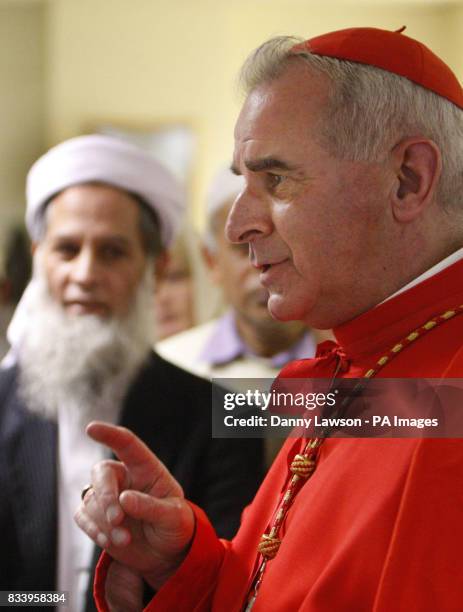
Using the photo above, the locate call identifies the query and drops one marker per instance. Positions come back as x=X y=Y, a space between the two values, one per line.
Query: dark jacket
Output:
x=170 y=410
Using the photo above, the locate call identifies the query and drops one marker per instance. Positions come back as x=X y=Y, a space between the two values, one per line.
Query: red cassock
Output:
x=379 y=525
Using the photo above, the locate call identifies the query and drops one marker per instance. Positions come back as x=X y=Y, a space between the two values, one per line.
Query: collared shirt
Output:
x=225 y=345
x=215 y=350
x=77 y=454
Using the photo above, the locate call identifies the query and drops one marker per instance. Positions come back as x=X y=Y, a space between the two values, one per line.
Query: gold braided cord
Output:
x=304 y=464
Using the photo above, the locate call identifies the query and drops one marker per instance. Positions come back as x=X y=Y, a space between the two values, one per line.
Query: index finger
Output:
x=145 y=469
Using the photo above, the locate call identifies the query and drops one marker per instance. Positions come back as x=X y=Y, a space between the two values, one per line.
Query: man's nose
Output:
x=84 y=270
x=248 y=219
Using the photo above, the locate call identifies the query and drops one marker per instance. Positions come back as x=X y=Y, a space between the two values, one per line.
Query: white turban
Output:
x=106 y=160
x=94 y=158
x=225 y=186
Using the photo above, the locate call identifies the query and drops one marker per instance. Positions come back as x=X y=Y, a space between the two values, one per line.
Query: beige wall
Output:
x=140 y=62
x=151 y=61
x=66 y=65
x=454 y=33
x=22 y=94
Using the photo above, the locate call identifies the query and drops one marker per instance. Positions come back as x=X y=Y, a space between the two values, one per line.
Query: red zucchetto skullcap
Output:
x=391 y=51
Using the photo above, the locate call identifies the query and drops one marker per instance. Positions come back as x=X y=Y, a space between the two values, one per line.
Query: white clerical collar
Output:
x=438 y=267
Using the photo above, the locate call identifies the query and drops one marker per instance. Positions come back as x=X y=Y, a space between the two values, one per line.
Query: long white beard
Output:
x=82 y=363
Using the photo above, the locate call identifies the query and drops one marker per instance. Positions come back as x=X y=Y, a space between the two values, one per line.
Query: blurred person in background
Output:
x=100 y=213
x=245 y=342
x=174 y=291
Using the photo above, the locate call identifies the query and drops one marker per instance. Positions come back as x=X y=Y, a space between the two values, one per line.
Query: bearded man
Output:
x=100 y=213
x=351 y=145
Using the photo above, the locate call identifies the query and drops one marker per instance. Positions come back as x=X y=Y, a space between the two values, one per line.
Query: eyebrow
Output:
x=70 y=235
x=265 y=163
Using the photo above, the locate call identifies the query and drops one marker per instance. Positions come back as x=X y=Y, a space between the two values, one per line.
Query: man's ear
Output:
x=417 y=167
x=34 y=246
x=210 y=261
x=160 y=264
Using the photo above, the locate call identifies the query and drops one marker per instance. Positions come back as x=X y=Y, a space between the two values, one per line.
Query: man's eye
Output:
x=112 y=252
x=274 y=180
x=66 y=250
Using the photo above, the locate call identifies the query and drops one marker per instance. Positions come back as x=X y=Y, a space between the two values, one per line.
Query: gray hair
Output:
x=148 y=225
x=370 y=110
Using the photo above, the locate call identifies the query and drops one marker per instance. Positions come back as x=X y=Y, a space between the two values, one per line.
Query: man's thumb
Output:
x=143 y=507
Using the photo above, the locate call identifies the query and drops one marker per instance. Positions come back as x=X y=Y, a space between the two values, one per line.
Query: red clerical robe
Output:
x=379 y=525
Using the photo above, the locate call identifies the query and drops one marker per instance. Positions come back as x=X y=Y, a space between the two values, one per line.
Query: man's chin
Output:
x=259 y=315
x=282 y=309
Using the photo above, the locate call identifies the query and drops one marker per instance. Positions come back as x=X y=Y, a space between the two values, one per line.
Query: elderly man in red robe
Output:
x=351 y=145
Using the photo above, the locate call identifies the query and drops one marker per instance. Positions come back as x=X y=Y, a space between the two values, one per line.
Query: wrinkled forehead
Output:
x=280 y=110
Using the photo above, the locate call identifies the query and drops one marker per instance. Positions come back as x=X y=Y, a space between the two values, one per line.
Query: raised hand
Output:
x=135 y=509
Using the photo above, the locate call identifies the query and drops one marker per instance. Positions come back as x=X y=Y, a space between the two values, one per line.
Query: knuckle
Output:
x=92 y=530
x=177 y=503
x=103 y=466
